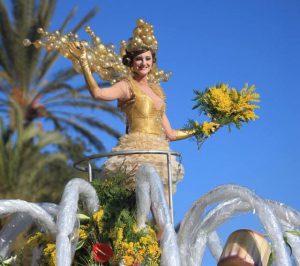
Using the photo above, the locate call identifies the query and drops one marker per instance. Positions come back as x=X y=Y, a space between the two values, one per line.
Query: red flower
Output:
x=102 y=252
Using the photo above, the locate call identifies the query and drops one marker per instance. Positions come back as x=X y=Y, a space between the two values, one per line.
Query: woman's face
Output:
x=142 y=64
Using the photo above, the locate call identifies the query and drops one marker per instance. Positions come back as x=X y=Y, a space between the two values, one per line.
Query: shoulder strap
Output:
x=133 y=86
x=130 y=84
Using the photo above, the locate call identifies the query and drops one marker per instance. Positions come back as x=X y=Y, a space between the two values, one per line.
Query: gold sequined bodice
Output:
x=142 y=114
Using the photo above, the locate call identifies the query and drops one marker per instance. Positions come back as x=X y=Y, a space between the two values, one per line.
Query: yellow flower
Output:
x=219 y=98
x=128 y=260
x=35 y=239
x=83 y=234
x=128 y=248
x=144 y=250
x=151 y=232
x=209 y=127
x=97 y=216
x=249 y=115
x=38 y=239
x=50 y=253
x=224 y=105
x=154 y=250
x=120 y=233
x=135 y=228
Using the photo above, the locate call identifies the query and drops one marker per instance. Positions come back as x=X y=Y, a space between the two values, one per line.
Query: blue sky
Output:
x=204 y=42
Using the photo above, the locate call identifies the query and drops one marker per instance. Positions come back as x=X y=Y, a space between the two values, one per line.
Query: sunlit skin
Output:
x=142 y=65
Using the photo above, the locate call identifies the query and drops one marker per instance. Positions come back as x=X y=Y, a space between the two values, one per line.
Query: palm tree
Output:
x=22 y=156
x=23 y=72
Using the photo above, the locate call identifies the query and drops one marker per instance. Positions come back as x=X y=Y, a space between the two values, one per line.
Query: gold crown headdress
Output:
x=103 y=59
x=143 y=38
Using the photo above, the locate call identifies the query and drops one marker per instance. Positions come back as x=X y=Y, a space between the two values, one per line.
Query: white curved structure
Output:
x=150 y=194
x=193 y=233
x=19 y=222
x=197 y=231
x=66 y=239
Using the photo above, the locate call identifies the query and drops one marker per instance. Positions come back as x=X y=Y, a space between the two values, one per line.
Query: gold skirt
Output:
x=143 y=141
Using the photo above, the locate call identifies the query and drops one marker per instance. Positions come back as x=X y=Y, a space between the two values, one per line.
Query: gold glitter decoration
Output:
x=103 y=59
x=143 y=37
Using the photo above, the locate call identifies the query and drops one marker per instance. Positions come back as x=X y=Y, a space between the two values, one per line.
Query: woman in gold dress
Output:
x=144 y=105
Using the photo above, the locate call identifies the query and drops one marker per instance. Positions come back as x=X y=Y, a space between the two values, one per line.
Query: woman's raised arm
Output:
x=119 y=91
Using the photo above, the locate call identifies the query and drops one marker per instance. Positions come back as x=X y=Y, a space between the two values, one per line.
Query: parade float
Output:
x=104 y=221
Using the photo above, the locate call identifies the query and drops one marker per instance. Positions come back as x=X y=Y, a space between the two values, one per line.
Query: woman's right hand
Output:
x=78 y=51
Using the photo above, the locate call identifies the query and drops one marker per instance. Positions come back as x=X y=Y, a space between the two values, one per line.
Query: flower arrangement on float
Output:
x=110 y=236
x=224 y=106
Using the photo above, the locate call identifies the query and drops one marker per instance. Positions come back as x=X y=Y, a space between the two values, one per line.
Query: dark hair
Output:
x=129 y=56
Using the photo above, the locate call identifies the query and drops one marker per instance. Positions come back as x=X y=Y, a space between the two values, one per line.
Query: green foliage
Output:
x=24 y=70
x=21 y=155
x=115 y=225
x=199 y=135
x=118 y=207
x=34 y=164
x=118 y=202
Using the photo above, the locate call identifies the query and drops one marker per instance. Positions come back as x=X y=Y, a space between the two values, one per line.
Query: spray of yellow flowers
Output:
x=224 y=106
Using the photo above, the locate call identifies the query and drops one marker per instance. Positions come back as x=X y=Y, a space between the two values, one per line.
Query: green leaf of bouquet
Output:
x=80 y=244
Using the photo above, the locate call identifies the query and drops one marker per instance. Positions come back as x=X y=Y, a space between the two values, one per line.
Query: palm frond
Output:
x=85 y=19
x=101 y=105
x=24 y=12
x=39 y=163
x=22 y=154
x=92 y=122
x=7 y=39
x=50 y=138
x=59 y=88
x=55 y=120
x=68 y=92
x=4 y=75
x=51 y=57
x=92 y=139
x=4 y=65
x=68 y=18
x=56 y=87
x=100 y=125
x=23 y=145
x=3 y=156
x=28 y=134
x=45 y=65
x=18 y=116
x=45 y=12
x=63 y=75
x=15 y=150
